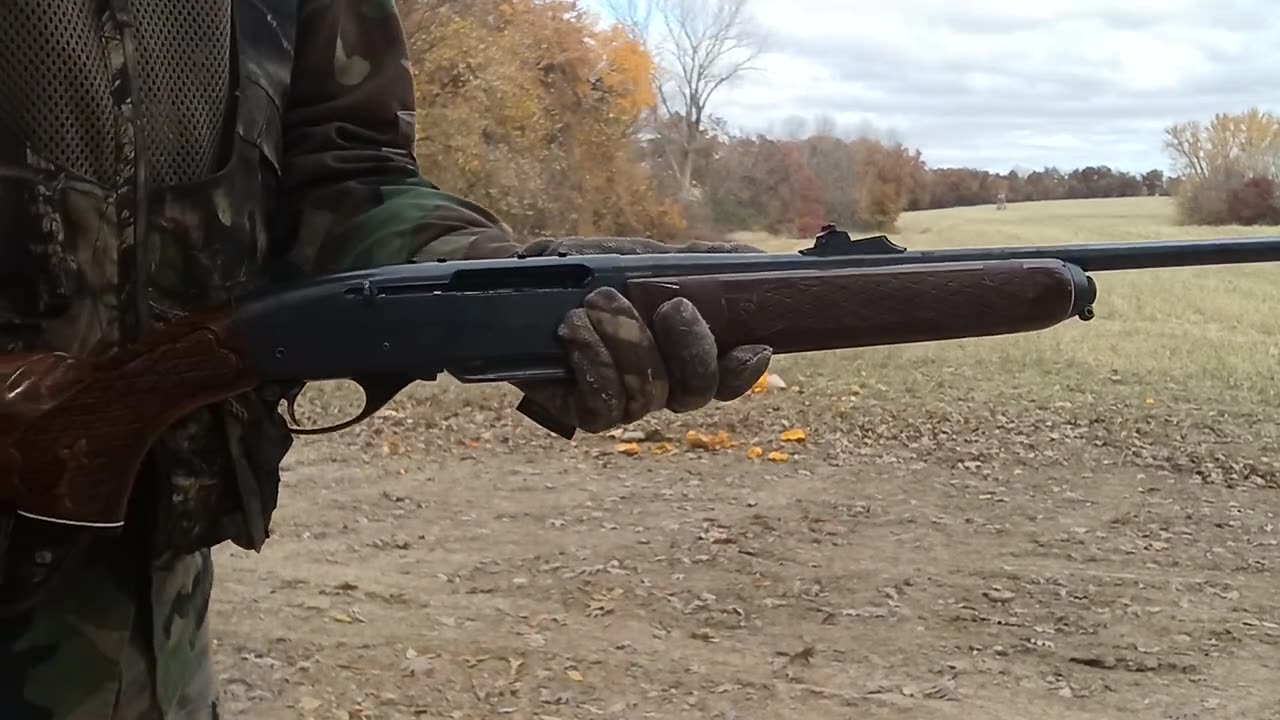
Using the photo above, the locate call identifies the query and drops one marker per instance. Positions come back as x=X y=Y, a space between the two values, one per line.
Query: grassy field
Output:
x=1079 y=523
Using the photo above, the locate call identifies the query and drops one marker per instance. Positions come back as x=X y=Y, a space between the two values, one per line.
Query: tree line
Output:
x=792 y=187
x=568 y=126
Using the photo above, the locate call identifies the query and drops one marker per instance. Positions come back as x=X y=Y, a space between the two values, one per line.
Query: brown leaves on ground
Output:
x=696 y=441
x=699 y=441
x=796 y=435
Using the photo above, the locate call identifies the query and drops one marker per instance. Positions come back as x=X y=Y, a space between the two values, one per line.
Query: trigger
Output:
x=378 y=391
x=291 y=404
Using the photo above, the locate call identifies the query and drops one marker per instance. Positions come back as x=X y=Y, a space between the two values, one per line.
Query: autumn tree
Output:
x=1226 y=166
x=888 y=175
x=527 y=107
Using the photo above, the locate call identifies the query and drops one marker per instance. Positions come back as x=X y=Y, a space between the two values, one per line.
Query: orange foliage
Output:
x=628 y=72
x=699 y=441
x=528 y=108
x=887 y=176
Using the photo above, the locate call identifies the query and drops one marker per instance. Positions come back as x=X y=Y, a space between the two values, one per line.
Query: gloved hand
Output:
x=625 y=366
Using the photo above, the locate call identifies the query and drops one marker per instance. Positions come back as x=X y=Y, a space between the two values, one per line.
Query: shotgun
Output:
x=74 y=431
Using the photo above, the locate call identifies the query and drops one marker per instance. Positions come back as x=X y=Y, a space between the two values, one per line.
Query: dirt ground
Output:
x=948 y=560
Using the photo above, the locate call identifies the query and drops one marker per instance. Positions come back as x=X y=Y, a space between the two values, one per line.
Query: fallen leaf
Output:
x=999 y=596
x=419 y=666
x=1102 y=663
x=871 y=612
x=698 y=441
x=755 y=453
x=599 y=609
x=663 y=449
x=761 y=385
x=553 y=698
x=627 y=448
x=804 y=656
x=778 y=457
x=1143 y=664
x=574 y=675
x=309 y=704
x=941 y=691
x=705 y=635
x=796 y=436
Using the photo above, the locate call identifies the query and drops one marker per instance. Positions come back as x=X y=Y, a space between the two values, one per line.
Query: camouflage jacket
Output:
x=313 y=171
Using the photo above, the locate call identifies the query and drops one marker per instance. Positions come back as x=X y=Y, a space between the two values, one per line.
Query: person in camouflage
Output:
x=157 y=157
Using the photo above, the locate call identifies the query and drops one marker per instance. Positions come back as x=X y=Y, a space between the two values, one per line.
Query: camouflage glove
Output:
x=625 y=366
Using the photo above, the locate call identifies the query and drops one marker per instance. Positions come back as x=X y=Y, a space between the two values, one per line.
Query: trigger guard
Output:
x=332 y=428
x=378 y=391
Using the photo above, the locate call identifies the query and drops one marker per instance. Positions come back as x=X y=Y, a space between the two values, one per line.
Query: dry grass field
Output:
x=1079 y=523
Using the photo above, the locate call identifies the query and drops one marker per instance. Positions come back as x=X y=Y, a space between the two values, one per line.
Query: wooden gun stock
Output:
x=74 y=432
x=808 y=310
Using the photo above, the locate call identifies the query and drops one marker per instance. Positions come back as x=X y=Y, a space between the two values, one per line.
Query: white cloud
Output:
x=993 y=83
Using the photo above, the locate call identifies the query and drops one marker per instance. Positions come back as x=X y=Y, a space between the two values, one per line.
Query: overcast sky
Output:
x=997 y=84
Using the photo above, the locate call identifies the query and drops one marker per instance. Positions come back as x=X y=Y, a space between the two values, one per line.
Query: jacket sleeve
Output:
x=351 y=193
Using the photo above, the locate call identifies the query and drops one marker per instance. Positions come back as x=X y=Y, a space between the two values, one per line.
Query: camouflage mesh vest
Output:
x=108 y=232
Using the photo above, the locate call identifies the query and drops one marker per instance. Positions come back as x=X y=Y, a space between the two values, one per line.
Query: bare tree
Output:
x=698 y=46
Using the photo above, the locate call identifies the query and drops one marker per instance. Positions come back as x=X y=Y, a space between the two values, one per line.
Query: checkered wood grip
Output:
x=74 y=432
x=811 y=310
